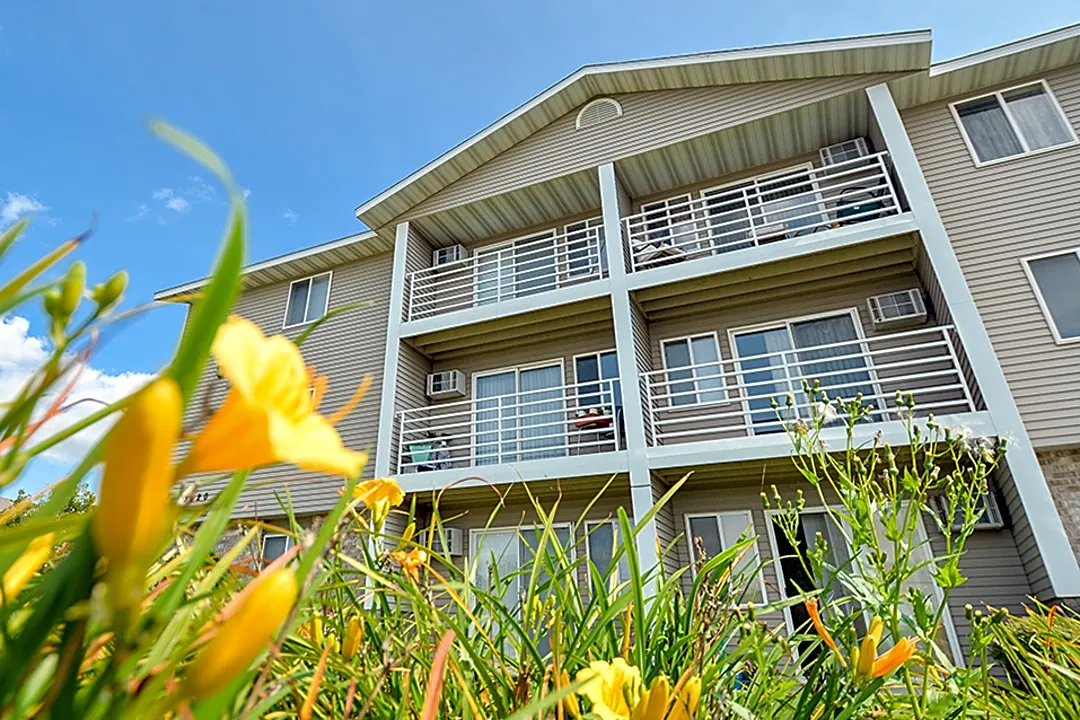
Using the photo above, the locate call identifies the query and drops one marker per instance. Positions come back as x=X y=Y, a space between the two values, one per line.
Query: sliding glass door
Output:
x=520 y=415
x=774 y=361
x=516 y=269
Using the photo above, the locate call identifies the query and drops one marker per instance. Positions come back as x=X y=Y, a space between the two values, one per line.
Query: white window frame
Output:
x=698 y=402
x=307 y=301
x=289 y=542
x=781 y=583
x=999 y=95
x=516 y=369
x=476 y=534
x=860 y=338
x=1025 y=262
x=590 y=525
x=746 y=514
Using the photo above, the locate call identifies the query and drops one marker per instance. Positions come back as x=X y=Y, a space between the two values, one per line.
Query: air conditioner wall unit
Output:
x=842 y=152
x=905 y=307
x=447 y=255
x=455 y=541
x=445 y=384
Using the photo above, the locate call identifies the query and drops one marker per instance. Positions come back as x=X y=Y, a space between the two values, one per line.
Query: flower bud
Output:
x=51 y=300
x=247 y=632
x=111 y=291
x=354 y=635
x=27 y=564
x=71 y=291
x=131 y=518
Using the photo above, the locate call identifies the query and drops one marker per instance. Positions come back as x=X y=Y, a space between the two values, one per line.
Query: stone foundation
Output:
x=1062 y=471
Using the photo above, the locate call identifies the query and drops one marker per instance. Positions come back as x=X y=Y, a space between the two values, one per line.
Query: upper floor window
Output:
x=693 y=370
x=308 y=299
x=274 y=545
x=1013 y=122
x=1055 y=279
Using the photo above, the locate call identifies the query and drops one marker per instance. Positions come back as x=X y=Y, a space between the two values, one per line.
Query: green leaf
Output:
x=333 y=313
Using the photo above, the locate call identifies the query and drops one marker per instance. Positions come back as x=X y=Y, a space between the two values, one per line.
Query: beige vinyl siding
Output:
x=650 y=120
x=667 y=529
x=345 y=348
x=995 y=215
x=735 y=317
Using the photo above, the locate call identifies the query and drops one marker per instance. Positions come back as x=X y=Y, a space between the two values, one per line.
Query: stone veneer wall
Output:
x=1062 y=471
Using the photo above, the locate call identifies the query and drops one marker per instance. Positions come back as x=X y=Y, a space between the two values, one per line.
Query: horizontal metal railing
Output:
x=765 y=210
x=733 y=398
x=564 y=421
x=524 y=267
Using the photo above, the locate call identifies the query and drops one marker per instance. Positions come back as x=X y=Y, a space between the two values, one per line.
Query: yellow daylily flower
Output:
x=687 y=700
x=380 y=495
x=868 y=650
x=613 y=688
x=354 y=635
x=411 y=561
x=653 y=704
x=570 y=703
x=248 y=631
x=131 y=518
x=270 y=414
x=27 y=565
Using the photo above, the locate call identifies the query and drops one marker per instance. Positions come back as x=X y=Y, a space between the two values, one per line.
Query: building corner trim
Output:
x=388 y=395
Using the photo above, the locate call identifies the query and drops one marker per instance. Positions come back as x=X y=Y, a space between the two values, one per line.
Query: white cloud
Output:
x=141 y=211
x=290 y=217
x=22 y=353
x=163 y=193
x=178 y=204
x=247 y=193
x=18 y=205
x=199 y=190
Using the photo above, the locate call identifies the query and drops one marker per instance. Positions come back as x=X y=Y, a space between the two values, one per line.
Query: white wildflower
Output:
x=826 y=412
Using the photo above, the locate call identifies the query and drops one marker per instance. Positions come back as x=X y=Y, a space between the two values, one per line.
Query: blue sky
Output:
x=318 y=106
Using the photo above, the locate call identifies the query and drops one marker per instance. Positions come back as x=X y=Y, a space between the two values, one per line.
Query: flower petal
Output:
x=314 y=444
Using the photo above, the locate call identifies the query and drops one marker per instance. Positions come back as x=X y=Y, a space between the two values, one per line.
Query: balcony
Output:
x=568 y=256
x=724 y=399
x=501 y=425
x=793 y=203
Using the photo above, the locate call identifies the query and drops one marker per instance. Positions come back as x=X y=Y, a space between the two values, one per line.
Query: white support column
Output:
x=629 y=377
x=1046 y=525
x=393 y=350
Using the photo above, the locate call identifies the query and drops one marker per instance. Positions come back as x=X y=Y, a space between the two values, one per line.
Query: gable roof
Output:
x=892 y=52
x=306 y=261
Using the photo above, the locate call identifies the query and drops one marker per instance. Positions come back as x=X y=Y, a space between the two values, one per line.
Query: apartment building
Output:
x=607 y=287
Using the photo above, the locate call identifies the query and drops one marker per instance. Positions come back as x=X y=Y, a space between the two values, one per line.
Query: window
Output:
x=604 y=540
x=597 y=377
x=586 y=255
x=274 y=545
x=1056 y=279
x=713 y=533
x=694 y=375
x=1013 y=122
x=503 y=552
x=774 y=360
x=308 y=299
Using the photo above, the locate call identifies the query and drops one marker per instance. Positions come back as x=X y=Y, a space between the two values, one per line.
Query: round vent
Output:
x=598 y=111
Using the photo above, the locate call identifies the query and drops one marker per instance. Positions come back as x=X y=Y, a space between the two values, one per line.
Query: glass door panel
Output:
x=543 y=433
x=840 y=367
x=496 y=418
x=534 y=265
x=764 y=362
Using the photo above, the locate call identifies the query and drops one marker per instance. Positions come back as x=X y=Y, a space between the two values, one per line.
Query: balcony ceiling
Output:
x=754 y=144
x=890 y=53
x=807 y=276
x=555 y=324
x=529 y=207
x=483 y=498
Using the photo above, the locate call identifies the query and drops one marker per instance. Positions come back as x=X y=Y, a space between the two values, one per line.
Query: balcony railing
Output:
x=790 y=204
x=562 y=421
x=732 y=399
x=524 y=267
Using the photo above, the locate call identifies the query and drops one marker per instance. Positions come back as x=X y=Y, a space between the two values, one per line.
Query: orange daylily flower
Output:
x=411 y=561
x=815 y=618
x=899 y=654
x=269 y=415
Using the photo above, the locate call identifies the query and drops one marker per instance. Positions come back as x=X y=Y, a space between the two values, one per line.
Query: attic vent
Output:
x=598 y=111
